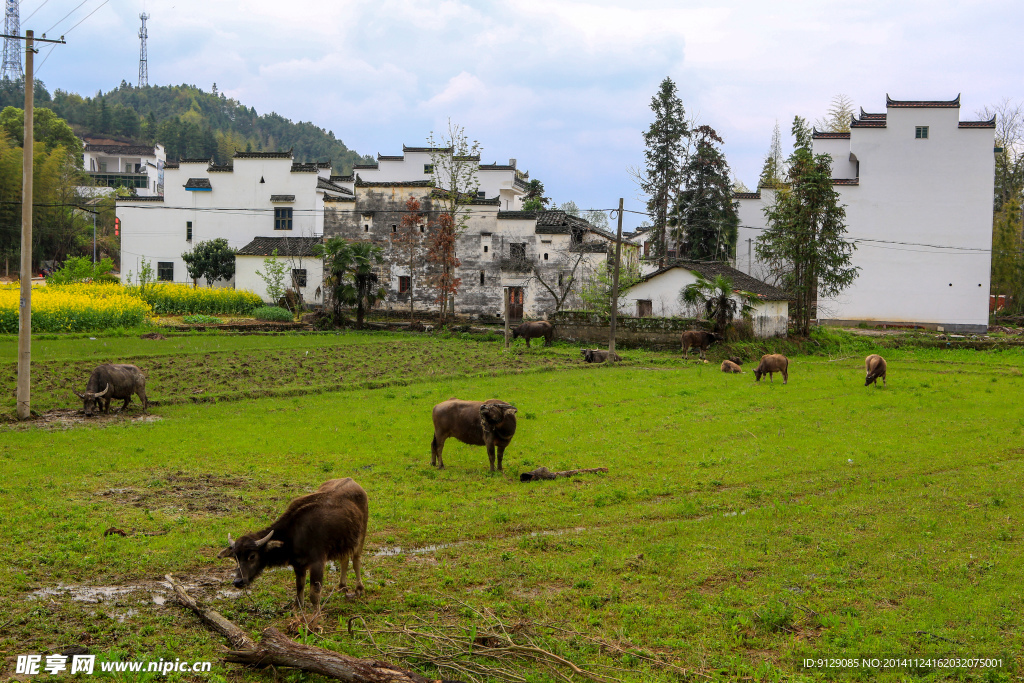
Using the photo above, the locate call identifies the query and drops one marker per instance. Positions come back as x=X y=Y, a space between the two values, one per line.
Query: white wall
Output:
x=246 y=277
x=751 y=226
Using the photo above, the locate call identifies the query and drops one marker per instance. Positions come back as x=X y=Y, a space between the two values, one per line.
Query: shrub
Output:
x=74 y=308
x=81 y=269
x=179 y=299
x=274 y=314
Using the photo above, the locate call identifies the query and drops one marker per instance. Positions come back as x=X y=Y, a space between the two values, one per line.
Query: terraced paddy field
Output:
x=743 y=530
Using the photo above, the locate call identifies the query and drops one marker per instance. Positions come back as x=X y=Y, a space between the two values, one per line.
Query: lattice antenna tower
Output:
x=143 y=66
x=11 y=69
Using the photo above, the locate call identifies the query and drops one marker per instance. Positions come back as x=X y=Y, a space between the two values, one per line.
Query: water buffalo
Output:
x=110 y=381
x=489 y=423
x=699 y=339
x=599 y=356
x=729 y=366
x=770 y=364
x=539 y=328
x=876 y=367
x=327 y=525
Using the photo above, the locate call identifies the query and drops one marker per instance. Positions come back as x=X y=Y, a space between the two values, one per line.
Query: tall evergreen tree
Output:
x=774 y=169
x=837 y=118
x=704 y=221
x=1008 y=256
x=662 y=174
x=806 y=232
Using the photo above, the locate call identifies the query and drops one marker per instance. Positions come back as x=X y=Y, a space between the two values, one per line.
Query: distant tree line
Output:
x=188 y=122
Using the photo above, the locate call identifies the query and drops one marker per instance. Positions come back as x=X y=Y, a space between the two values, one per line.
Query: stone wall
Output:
x=650 y=333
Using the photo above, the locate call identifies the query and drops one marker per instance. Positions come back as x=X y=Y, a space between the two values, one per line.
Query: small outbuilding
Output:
x=303 y=269
x=659 y=294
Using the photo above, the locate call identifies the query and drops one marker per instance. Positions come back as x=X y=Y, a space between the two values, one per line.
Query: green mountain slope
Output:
x=190 y=123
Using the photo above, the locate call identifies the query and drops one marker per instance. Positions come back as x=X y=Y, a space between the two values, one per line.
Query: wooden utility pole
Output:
x=615 y=284
x=24 y=409
x=508 y=306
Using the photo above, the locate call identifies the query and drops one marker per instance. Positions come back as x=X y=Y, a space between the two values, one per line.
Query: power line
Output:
x=65 y=17
x=86 y=17
x=36 y=10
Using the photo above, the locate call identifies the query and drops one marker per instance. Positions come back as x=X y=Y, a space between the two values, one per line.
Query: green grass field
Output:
x=741 y=527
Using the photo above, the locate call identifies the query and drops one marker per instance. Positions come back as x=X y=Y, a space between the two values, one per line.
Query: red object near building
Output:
x=996 y=302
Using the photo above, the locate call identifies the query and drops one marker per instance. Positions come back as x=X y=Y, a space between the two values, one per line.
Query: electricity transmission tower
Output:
x=143 y=66
x=11 y=69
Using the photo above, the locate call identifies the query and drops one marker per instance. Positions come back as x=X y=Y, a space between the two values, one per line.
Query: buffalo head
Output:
x=495 y=413
x=91 y=399
x=250 y=553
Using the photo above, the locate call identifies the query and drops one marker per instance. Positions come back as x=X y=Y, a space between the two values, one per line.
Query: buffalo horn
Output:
x=81 y=396
x=231 y=542
x=260 y=543
x=104 y=392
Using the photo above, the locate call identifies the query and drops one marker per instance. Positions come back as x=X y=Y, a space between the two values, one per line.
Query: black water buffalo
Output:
x=489 y=423
x=875 y=367
x=770 y=364
x=111 y=381
x=699 y=339
x=539 y=328
x=600 y=355
x=327 y=525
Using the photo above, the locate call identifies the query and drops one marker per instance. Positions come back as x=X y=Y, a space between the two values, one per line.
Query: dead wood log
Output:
x=545 y=473
x=276 y=649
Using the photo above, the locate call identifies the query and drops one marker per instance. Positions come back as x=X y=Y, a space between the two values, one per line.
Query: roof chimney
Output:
x=512 y=163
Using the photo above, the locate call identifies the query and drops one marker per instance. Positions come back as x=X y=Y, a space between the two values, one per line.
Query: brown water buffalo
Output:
x=875 y=367
x=770 y=364
x=729 y=366
x=539 y=328
x=599 y=356
x=329 y=524
x=489 y=423
x=109 y=381
x=735 y=360
x=699 y=339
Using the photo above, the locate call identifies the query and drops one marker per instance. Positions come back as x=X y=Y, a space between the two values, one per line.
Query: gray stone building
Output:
x=541 y=257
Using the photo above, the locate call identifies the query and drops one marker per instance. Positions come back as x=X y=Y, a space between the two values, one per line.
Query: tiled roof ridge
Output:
x=132 y=150
x=263 y=155
x=868 y=115
x=740 y=280
x=829 y=134
x=285 y=246
x=359 y=182
x=304 y=168
x=923 y=104
x=440 y=150
x=205 y=160
x=990 y=123
x=203 y=183
x=846 y=181
x=132 y=198
x=220 y=168
x=747 y=195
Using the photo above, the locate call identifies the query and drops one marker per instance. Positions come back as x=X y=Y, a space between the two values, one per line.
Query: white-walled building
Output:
x=304 y=270
x=917 y=183
x=260 y=194
x=112 y=164
x=658 y=294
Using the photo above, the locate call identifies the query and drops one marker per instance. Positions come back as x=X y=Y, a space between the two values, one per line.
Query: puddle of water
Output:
x=91 y=594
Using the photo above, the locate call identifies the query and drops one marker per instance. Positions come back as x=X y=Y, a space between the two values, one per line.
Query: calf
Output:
x=701 y=340
x=876 y=367
x=729 y=366
x=489 y=423
x=599 y=356
x=327 y=525
x=110 y=381
x=770 y=364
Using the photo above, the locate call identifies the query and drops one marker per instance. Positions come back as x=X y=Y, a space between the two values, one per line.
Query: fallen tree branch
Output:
x=276 y=649
x=545 y=473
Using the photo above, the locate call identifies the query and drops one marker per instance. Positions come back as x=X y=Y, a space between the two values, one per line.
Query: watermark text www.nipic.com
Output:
x=33 y=665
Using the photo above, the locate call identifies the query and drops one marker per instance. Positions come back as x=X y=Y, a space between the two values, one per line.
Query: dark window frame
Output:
x=921 y=132
x=283 y=218
x=404 y=283
x=299 y=276
x=165 y=271
x=188 y=231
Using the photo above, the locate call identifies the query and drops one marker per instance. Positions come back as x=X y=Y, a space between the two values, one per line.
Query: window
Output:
x=647 y=248
x=481 y=277
x=428 y=168
x=422 y=228
x=366 y=228
x=165 y=271
x=188 y=231
x=394 y=228
x=644 y=308
x=921 y=132
x=485 y=248
x=545 y=256
x=299 y=277
x=283 y=218
x=517 y=251
x=404 y=283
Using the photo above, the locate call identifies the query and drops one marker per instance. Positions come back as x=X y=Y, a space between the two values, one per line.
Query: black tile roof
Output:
x=304 y=168
x=497 y=167
x=343 y=178
x=198 y=183
x=335 y=198
x=124 y=150
x=324 y=184
x=171 y=164
x=991 y=123
x=829 y=135
x=263 y=155
x=382 y=157
x=439 y=150
x=365 y=167
x=867 y=123
x=846 y=181
x=226 y=168
x=282 y=198
x=206 y=161
x=467 y=157
x=866 y=115
x=285 y=246
x=139 y=199
x=746 y=195
x=518 y=215
x=923 y=104
x=392 y=183
x=740 y=280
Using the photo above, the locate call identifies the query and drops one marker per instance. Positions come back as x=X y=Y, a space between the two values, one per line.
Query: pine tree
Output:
x=774 y=169
x=1008 y=256
x=806 y=232
x=704 y=220
x=662 y=175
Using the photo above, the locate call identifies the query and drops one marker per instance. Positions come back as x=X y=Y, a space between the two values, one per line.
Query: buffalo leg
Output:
x=343 y=567
x=501 y=454
x=785 y=376
x=490 y=454
x=142 y=397
x=316 y=582
x=357 y=567
x=436 y=449
x=300 y=585
x=702 y=350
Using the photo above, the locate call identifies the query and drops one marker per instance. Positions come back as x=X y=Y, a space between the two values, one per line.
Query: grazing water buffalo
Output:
x=770 y=364
x=113 y=381
x=540 y=328
x=327 y=525
x=729 y=366
x=875 y=366
x=699 y=339
x=600 y=356
x=489 y=423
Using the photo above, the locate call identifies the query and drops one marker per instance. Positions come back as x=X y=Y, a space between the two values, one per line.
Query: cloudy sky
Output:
x=563 y=87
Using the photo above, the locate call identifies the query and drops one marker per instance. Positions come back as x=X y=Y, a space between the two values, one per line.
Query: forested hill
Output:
x=191 y=123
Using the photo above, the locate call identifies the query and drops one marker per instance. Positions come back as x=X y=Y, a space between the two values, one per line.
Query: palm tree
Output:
x=349 y=275
x=718 y=299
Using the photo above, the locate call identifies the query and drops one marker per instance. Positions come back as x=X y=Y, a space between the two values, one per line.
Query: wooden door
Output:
x=515 y=304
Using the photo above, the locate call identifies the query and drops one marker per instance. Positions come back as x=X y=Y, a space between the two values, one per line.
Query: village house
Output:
x=917 y=183
x=112 y=164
